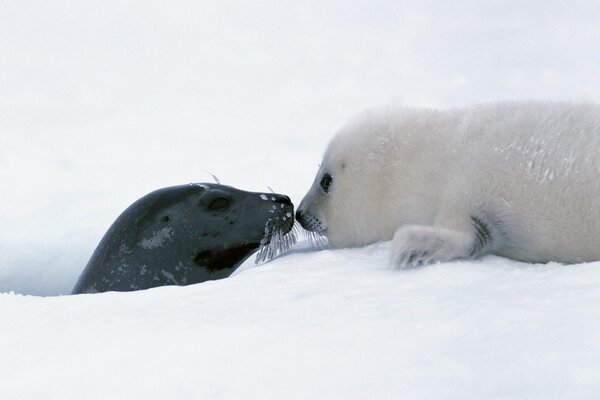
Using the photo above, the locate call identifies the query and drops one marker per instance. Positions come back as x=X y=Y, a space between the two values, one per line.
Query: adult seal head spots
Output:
x=182 y=235
x=518 y=180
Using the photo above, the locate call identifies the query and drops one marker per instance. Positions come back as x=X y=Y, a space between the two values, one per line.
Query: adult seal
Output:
x=520 y=180
x=184 y=234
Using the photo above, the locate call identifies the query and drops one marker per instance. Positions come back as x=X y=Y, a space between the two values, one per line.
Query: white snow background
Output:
x=102 y=102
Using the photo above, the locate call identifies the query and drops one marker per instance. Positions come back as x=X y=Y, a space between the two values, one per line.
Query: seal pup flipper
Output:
x=416 y=245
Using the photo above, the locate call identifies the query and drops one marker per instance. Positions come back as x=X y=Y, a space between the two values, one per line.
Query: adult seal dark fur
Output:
x=182 y=235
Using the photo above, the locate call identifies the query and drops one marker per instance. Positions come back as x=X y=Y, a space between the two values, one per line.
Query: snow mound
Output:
x=329 y=325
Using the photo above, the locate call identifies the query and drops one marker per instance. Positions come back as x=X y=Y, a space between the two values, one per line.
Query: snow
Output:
x=103 y=102
x=333 y=324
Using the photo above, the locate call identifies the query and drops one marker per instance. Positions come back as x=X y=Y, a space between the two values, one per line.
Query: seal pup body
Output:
x=182 y=235
x=520 y=180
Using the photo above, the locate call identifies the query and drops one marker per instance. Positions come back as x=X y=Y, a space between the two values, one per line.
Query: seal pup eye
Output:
x=326 y=182
x=219 y=204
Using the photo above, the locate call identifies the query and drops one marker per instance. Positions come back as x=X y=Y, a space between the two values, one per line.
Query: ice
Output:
x=329 y=324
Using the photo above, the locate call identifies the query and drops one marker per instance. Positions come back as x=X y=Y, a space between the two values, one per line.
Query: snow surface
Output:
x=331 y=325
x=103 y=102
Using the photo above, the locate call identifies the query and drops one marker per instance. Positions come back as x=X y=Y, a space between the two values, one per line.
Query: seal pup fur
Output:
x=520 y=180
x=185 y=234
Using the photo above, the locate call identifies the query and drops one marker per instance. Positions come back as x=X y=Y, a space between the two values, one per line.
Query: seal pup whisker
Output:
x=315 y=240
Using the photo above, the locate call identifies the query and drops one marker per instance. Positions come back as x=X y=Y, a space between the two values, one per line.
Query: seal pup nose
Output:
x=301 y=218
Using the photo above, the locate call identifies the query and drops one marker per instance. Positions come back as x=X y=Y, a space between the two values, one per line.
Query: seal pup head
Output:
x=355 y=197
x=185 y=234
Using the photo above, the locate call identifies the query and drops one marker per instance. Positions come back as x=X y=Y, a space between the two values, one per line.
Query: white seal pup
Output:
x=520 y=180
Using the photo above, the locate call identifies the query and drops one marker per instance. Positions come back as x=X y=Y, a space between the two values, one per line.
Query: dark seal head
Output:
x=182 y=235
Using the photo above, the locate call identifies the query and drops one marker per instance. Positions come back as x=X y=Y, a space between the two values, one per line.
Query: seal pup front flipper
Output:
x=417 y=245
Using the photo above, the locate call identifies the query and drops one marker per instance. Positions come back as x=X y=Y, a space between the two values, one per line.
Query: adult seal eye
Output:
x=326 y=182
x=219 y=204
